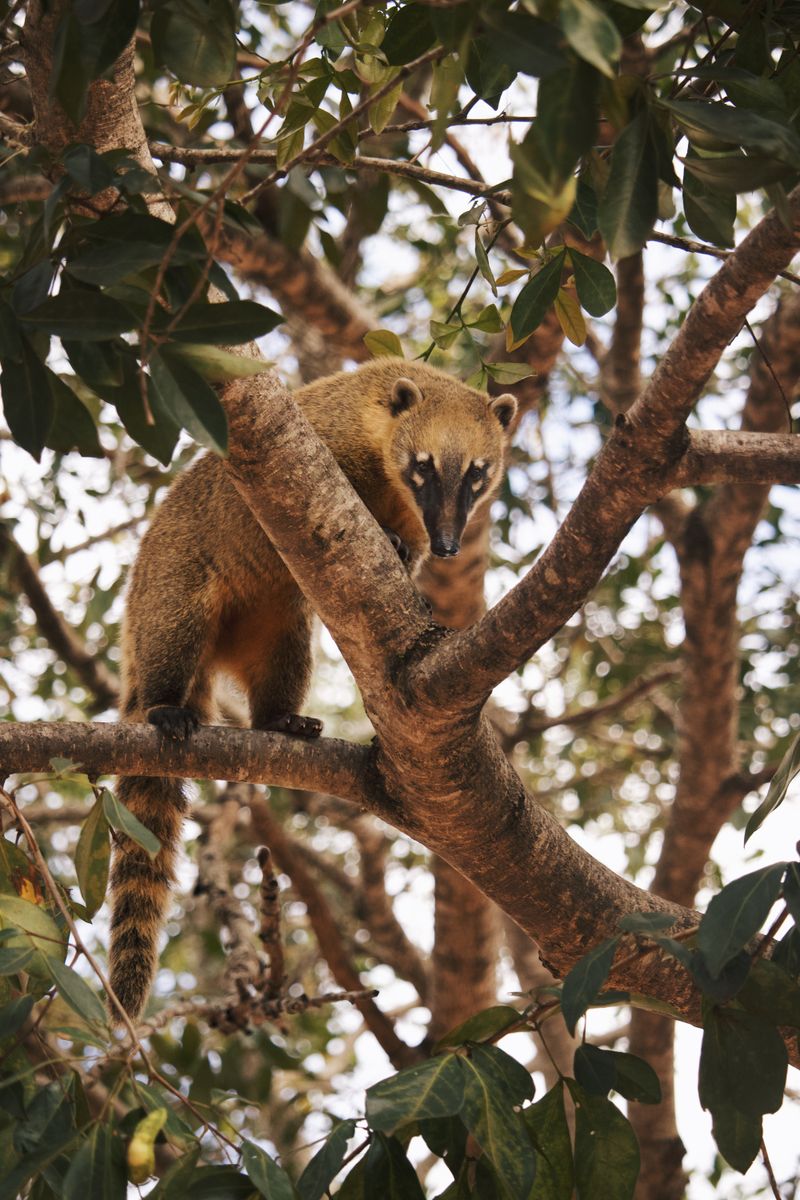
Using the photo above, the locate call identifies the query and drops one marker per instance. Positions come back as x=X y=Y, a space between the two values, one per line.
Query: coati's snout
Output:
x=450 y=447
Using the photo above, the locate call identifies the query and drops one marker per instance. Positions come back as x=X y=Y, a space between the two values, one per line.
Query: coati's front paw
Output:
x=294 y=724
x=173 y=722
x=403 y=552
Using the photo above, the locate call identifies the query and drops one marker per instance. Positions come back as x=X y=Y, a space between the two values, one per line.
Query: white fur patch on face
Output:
x=417 y=478
x=479 y=462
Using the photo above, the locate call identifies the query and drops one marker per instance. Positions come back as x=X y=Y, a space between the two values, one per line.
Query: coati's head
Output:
x=446 y=447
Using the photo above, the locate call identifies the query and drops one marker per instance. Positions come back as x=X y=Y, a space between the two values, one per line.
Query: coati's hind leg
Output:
x=277 y=683
x=172 y=690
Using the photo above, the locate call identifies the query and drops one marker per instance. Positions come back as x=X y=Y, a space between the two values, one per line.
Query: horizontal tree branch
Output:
x=736 y=456
x=213 y=752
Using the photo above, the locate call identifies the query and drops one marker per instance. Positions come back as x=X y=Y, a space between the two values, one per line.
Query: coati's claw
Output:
x=296 y=725
x=403 y=552
x=173 y=722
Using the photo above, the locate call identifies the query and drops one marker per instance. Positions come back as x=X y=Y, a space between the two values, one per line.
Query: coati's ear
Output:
x=405 y=394
x=504 y=408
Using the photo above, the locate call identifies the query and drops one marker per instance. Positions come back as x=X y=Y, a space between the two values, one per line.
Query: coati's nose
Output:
x=445 y=545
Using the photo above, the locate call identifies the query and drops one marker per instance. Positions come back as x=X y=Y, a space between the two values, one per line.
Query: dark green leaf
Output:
x=629 y=204
x=432 y=1089
x=219 y=1183
x=585 y=981
x=771 y=992
x=523 y=41
x=595 y=286
x=737 y=127
x=121 y=818
x=83 y=315
x=584 y=211
x=326 y=1163
x=791 y=890
x=97 y=1172
x=606 y=1150
x=738 y=1136
x=490 y=1118
x=10 y=335
x=742 y=1063
x=737 y=173
x=89 y=170
x=215 y=364
x=174 y=1185
x=270 y=1179
x=546 y=1122
x=14 y=1015
x=77 y=992
x=92 y=856
x=35 y=921
x=724 y=986
x=709 y=212
x=595 y=1069
x=72 y=427
x=32 y=287
x=408 y=35
x=736 y=914
x=565 y=116
x=787 y=953
x=190 y=401
x=196 y=40
x=388 y=1173
x=536 y=297
x=483 y=1025
x=126 y=244
x=495 y=1064
x=485 y=267
x=27 y=400
x=227 y=324
x=776 y=793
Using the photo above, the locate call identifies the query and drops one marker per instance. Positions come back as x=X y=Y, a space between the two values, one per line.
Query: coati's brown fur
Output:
x=208 y=594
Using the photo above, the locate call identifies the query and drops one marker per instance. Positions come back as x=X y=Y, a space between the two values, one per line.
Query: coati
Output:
x=208 y=594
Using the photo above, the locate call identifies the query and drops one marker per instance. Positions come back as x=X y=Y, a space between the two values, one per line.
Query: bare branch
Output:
x=270 y=932
x=735 y=456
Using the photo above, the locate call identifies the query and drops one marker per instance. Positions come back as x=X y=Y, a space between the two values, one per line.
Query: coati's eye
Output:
x=421 y=469
x=476 y=474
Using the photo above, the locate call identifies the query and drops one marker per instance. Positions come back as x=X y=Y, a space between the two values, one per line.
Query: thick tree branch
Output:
x=739 y=456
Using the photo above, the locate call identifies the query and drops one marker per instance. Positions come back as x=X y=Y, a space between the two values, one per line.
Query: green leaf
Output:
x=121 y=818
x=546 y=1121
x=270 y=1179
x=141 y=1153
x=484 y=266
x=383 y=342
x=72 y=427
x=36 y=922
x=196 y=40
x=77 y=992
x=737 y=173
x=645 y=922
x=219 y=1183
x=82 y=315
x=483 y=1025
x=585 y=981
x=594 y=283
x=216 y=365
x=97 y=1171
x=776 y=793
x=91 y=171
x=591 y=33
x=408 y=35
x=431 y=1089
x=508 y=373
x=791 y=890
x=487 y=1113
x=629 y=205
x=326 y=1163
x=27 y=400
x=14 y=1015
x=566 y=122
x=743 y=1063
x=710 y=213
x=705 y=119
x=174 y=1185
x=127 y=244
x=488 y=320
x=15 y=959
x=738 y=1136
x=770 y=992
x=10 y=335
x=524 y=42
x=92 y=856
x=228 y=324
x=388 y=1173
x=190 y=401
x=606 y=1150
x=444 y=335
x=736 y=914
x=583 y=214
x=536 y=297
x=600 y=1071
